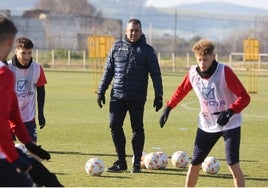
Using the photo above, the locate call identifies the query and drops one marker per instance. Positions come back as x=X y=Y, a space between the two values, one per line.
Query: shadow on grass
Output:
x=229 y=176
x=112 y=155
x=81 y=153
x=167 y=171
x=242 y=160
x=256 y=179
x=117 y=177
x=59 y=173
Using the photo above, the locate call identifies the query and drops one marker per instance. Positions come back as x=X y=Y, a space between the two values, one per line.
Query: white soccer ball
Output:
x=163 y=159
x=94 y=167
x=142 y=165
x=211 y=165
x=180 y=159
x=152 y=161
x=21 y=147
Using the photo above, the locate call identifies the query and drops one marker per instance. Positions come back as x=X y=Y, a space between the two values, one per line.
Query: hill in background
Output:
x=215 y=20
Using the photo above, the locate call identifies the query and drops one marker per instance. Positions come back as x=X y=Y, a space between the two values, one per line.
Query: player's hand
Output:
x=158 y=103
x=224 y=116
x=164 y=116
x=42 y=121
x=101 y=99
x=37 y=150
x=22 y=166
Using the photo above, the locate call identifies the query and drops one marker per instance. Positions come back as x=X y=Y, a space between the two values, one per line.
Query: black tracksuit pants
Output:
x=118 y=110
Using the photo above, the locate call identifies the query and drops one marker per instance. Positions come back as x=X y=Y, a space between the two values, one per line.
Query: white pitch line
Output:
x=187 y=105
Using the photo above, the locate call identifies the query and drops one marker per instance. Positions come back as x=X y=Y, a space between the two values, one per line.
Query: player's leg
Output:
x=42 y=176
x=39 y=173
x=238 y=176
x=9 y=177
x=118 y=110
x=204 y=142
x=136 y=111
x=192 y=175
x=31 y=127
x=232 y=147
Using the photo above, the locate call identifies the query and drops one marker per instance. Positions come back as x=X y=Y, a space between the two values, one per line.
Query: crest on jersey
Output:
x=208 y=92
x=21 y=85
x=138 y=50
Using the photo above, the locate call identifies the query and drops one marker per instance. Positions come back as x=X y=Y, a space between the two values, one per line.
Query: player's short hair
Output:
x=134 y=21
x=203 y=47
x=24 y=42
x=7 y=28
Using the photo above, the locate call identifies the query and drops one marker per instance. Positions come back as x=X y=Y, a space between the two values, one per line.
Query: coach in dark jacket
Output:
x=129 y=63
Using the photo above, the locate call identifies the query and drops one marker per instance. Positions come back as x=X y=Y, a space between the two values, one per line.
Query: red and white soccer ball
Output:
x=163 y=159
x=94 y=167
x=142 y=165
x=211 y=165
x=180 y=159
x=152 y=161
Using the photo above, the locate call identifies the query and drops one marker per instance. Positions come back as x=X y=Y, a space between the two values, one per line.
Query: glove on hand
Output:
x=101 y=99
x=224 y=116
x=37 y=150
x=164 y=116
x=158 y=103
x=42 y=121
x=22 y=165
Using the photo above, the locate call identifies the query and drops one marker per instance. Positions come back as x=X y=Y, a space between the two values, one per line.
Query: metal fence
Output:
x=169 y=62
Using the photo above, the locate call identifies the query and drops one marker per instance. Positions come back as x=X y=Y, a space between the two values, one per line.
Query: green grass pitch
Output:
x=77 y=129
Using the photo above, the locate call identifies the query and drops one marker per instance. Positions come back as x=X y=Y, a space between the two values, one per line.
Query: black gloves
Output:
x=164 y=116
x=101 y=100
x=158 y=103
x=37 y=150
x=42 y=121
x=224 y=116
x=22 y=165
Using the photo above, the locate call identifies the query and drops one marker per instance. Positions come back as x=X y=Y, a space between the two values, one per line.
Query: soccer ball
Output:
x=152 y=161
x=94 y=167
x=180 y=159
x=211 y=165
x=22 y=148
x=142 y=165
x=163 y=159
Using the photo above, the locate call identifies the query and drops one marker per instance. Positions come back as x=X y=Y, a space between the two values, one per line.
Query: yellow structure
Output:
x=251 y=58
x=99 y=46
x=251 y=49
x=98 y=50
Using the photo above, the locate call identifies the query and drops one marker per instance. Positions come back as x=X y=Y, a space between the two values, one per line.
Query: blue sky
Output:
x=250 y=3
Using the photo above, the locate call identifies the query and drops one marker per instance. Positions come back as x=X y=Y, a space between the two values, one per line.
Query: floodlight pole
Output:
x=175 y=31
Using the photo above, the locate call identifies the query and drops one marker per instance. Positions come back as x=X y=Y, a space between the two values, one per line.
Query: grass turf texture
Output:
x=77 y=129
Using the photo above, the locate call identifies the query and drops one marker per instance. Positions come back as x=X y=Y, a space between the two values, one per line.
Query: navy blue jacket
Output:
x=129 y=65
